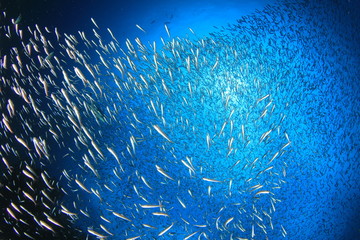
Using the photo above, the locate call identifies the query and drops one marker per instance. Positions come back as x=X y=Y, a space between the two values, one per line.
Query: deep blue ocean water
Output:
x=263 y=97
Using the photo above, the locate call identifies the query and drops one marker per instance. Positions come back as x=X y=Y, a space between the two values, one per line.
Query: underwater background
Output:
x=180 y=119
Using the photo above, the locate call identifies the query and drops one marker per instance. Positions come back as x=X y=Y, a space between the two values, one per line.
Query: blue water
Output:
x=272 y=100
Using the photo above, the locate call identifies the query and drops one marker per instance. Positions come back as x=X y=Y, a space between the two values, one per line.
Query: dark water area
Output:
x=245 y=126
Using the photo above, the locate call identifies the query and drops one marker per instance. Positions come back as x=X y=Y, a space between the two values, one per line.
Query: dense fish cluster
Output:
x=143 y=122
x=180 y=139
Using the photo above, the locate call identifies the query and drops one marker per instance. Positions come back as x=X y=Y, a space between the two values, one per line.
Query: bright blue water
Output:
x=306 y=57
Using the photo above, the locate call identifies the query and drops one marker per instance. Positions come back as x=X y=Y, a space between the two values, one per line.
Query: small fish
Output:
x=272 y=159
x=43 y=176
x=97 y=149
x=255 y=187
x=165 y=230
x=167 y=30
x=121 y=216
x=85 y=213
x=160 y=214
x=201 y=226
x=82 y=186
x=150 y=206
x=29 y=175
x=112 y=35
x=283 y=231
x=222 y=128
x=29 y=196
x=47 y=226
x=158 y=129
x=11 y=213
x=96 y=234
x=190 y=235
x=160 y=170
x=208 y=141
x=287 y=144
x=188 y=166
x=106 y=230
x=80 y=75
x=54 y=222
x=140 y=28
x=15 y=207
x=7 y=124
x=93 y=21
x=211 y=180
x=148 y=226
x=264 y=135
x=263 y=98
x=22 y=141
x=228 y=221
x=105 y=219
x=262 y=192
x=181 y=202
x=216 y=64
x=145 y=182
